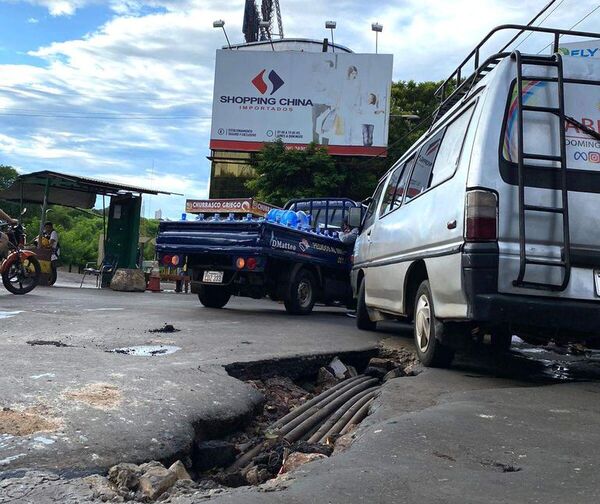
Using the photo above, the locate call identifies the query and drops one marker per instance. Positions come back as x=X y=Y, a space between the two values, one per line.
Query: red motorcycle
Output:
x=20 y=268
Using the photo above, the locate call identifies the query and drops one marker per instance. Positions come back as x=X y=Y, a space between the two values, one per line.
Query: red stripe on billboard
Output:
x=335 y=150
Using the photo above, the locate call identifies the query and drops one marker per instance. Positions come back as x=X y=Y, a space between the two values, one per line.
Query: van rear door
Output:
x=544 y=233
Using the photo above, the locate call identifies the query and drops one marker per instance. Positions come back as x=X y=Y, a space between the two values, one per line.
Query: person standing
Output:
x=52 y=236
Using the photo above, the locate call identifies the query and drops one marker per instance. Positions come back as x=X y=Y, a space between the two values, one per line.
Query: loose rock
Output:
x=180 y=471
x=155 y=482
x=125 y=476
x=128 y=280
x=387 y=364
x=325 y=378
x=297 y=459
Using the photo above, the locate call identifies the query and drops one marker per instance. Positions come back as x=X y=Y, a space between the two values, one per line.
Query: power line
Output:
x=575 y=25
x=544 y=9
x=540 y=24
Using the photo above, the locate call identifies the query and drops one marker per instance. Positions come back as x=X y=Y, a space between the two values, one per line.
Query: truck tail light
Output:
x=175 y=260
x=240 y=263
x=167 y=260
x=251 y=263
x=481 y=216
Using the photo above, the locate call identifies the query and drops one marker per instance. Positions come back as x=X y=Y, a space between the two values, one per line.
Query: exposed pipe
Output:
x=347 y=417
x=324 y=428
x=320 y=404
x=320 y=412
x=301 y=409
x=359 y=416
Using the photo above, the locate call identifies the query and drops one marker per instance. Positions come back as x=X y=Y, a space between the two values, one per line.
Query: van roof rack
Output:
x=464 y=84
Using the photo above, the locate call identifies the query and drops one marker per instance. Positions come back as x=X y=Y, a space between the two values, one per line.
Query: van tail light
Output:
x=251 y=263
x=481 y=216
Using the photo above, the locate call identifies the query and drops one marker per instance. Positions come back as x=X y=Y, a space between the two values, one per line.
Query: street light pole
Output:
x=331 y=25
x=377 y=28
x=221 y=24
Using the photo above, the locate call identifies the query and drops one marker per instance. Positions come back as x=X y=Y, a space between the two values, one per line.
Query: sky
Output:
x=122 y=89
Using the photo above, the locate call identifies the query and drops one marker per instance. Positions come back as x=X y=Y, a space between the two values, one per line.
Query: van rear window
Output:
x=541 y=133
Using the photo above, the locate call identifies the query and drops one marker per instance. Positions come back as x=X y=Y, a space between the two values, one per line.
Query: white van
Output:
x=490 y=223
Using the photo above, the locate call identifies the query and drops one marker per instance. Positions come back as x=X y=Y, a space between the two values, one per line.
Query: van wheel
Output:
x=303 y=292
x=427 y=330
x=363 y=321
x=214 y=297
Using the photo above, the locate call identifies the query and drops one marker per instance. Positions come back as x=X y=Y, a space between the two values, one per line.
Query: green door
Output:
x=122 y=235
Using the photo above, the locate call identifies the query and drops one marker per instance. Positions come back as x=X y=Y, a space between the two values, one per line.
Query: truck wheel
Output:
x=303 y=292
x=363 y=321
x=214 y=297
x=427 y=330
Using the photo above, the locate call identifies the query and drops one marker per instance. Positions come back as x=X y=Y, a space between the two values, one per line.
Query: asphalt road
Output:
x=519 y=428
x=59 y=365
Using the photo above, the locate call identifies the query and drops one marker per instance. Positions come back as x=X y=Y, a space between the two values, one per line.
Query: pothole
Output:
x=147 y=350
x=312 y=407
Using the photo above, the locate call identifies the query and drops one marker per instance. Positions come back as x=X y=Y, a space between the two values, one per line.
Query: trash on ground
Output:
x=167 y=328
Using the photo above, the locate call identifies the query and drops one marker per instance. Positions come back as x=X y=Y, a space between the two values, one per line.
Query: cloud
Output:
x=33 y=20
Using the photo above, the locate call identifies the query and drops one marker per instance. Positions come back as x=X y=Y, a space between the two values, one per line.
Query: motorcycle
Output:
x=19 y=268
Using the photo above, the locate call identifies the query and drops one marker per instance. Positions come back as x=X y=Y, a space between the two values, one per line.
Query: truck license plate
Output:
x=213 y=277
x=597 y=281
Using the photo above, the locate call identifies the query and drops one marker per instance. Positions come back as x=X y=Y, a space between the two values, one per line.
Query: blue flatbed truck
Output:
x=259 y=258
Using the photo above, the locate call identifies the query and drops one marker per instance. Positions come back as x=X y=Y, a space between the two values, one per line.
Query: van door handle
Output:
x=451 y=224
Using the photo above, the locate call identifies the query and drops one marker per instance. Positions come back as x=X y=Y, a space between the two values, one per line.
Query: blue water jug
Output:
x=289 y=218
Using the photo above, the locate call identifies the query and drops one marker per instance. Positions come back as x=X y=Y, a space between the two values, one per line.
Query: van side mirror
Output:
x=355 y=217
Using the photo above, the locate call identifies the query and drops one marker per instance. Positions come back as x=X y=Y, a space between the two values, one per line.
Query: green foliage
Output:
x=7 y=176
x=149 y=228
x=79 y=233
x=285 y=174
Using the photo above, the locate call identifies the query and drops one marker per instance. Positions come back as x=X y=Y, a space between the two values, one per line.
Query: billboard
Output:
x=587 y=49
x=339 y=100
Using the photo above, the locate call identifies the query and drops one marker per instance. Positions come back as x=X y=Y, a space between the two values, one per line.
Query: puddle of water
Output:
x=147 y=350
x=8 y=314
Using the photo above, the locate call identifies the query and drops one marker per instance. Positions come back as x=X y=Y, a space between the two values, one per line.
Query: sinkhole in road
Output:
x=311 y=409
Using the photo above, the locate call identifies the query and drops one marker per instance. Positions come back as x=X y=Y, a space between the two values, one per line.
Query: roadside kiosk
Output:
x=121 y=223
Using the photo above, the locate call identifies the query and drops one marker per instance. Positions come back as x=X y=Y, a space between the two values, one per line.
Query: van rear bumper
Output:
x=558 y=314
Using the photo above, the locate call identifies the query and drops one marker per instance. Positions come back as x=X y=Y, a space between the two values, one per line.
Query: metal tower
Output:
x=252 y=29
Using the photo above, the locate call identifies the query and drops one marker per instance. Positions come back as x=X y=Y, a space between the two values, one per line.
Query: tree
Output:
x=283 y=174
x=8 y=175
